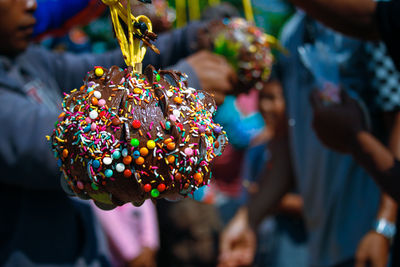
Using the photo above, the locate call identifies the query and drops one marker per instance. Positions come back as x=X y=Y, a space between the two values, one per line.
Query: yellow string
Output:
x=181 y=18
x=213 y=2
x=194 y=10
x=132 y=48
x=248 y=10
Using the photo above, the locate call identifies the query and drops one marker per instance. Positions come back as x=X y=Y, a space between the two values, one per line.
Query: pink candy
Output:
x=102 y=102
x=93 y=127
x=188 y=151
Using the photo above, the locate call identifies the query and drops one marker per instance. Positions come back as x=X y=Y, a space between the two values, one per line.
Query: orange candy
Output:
x=65 y=153
x=144 y=152
x=95 y=101
x=198 y=177
x=178 y=176
x=139 y=161
x=171 y=159
x=127 y=160
x=167 y=141
x=178 y=100
x=171 y=146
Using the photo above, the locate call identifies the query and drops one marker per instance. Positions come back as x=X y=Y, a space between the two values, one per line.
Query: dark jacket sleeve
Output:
x=26 y=158
x=387 y=15
x=174 y=46
x=70 y=69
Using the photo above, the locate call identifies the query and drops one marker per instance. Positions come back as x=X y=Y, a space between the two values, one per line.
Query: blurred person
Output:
x=56 y=17
x=367 y=19
x=132 y=234
x=189 y=232
x=161 y=16
x=370 y=20
x=353 y=138
x=333 y=186
x=40 y=224
x=284 y=233
x=221 y=11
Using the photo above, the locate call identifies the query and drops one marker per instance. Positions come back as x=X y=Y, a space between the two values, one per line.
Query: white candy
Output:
x=97 y=94
x=120 y=167
x=93 y=114
x=124 y=152
x=107 y=160
x=176 y=113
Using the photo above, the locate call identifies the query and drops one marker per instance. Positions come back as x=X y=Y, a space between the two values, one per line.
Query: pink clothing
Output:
x=129 y=229
x=247 y=104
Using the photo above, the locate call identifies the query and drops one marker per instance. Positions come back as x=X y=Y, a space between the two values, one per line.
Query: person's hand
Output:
x=146 y=259
x=238 y=242
x=373 y=251
x=337 y=125
x=214 y=73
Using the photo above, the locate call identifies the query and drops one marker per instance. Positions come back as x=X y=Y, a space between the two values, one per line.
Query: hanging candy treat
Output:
x=246 y=48
x=125 y=137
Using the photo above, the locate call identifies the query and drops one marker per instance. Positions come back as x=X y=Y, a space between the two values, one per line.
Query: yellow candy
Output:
x=99 y=72
x=151 y=144
x=137 y=91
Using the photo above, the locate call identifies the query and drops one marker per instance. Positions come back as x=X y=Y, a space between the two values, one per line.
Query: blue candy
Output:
x=108 y=173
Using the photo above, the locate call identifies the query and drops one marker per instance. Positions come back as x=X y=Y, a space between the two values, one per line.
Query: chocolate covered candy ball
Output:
x=126 y=137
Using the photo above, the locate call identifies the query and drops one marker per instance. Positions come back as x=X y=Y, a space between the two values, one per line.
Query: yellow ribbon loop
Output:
x=133 y=48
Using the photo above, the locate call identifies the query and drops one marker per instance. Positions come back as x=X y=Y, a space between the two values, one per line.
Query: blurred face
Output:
x=272 y=104
x=16 y=25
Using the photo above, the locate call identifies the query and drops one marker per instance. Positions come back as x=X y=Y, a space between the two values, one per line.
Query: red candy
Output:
x=127 y=173
x=136 y=124
x=102 y=114
x=161 y=187
x=147 y=188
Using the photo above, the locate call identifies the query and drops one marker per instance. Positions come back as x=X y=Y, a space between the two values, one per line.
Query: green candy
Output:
x=135 y=142
x=158 y=77
x=155 y=193
x=94 y=186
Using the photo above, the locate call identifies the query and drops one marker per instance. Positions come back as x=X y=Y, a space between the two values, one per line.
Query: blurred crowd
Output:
x=311 y=176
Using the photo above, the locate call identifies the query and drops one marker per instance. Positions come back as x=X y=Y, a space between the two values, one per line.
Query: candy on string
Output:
x=140 y=33
x=271 y=40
